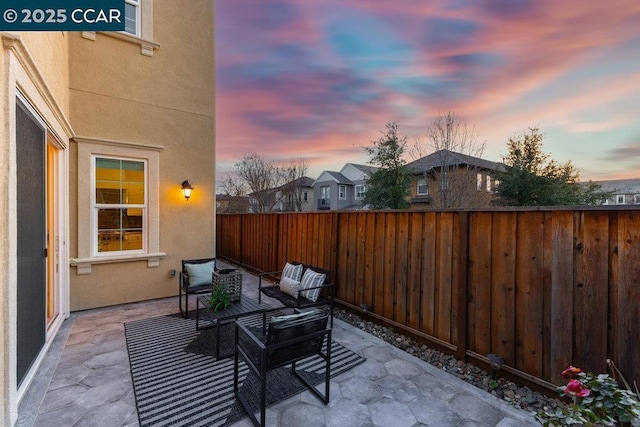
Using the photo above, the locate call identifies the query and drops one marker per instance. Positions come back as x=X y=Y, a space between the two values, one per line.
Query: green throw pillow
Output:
x=200 y=274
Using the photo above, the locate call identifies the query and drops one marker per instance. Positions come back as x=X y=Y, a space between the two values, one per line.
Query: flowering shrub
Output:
x=597 y=400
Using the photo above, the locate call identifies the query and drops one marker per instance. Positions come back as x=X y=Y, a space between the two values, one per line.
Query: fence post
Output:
x=462 y=287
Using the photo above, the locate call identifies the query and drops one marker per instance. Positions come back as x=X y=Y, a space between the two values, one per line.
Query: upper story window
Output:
x=360 y=190
x=423 y=187
x=342 y=192
x=132 y=17
x=304 y=196
x=120 y=205
x=326 y=194
x=619 y=199
x=479 y=182
x=636 y=199
x=488 y=183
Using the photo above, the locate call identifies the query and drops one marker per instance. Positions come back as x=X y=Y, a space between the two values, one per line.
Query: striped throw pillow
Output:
x=292 y=271
x=311 y=279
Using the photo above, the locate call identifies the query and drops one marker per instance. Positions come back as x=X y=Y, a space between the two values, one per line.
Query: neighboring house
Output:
x=624 y=191
x=231 y=204
x=297 y=195
x=98 y=132
x=447 y=179
x=344 y=189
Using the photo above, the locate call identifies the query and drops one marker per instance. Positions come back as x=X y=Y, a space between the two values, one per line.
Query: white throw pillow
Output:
x=289 y=286
x=311 y=279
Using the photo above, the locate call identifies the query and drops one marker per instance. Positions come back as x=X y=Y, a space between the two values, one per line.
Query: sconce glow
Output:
x=186 y=189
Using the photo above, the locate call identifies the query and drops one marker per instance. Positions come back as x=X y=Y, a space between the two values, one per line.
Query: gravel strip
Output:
x=519 y=396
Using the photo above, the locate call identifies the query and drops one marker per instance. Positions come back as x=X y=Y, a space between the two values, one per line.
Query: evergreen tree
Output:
x=532 y=178
x=388 y=187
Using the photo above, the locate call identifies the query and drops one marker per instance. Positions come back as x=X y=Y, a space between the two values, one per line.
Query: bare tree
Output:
x=262 y=179
x=233 y=198
x=293 y=191
x=453 y=148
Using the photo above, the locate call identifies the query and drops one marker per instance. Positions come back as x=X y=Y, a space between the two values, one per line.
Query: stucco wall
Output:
x=167 y=101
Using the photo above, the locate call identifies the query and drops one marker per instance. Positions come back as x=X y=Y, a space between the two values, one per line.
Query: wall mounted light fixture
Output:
x=186 y=189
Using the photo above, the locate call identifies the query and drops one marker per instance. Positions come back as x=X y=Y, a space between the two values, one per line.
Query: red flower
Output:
x=570 y=372
x=575 y=388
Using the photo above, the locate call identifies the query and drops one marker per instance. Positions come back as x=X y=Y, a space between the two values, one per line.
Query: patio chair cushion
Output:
x=311 y=279
x=289 y=319
x=292 y=271
x=289 y=286
x=200 y=274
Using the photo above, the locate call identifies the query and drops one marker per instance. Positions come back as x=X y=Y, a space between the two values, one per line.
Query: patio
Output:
x=85 y=381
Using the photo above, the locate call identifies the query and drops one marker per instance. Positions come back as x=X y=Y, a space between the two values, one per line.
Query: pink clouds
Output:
x=319 y=79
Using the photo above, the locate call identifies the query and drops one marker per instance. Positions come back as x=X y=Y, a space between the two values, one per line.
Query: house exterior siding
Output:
x=126 y=95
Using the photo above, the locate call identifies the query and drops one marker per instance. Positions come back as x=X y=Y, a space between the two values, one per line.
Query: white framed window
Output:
x=132 y=17
x=496 y=184
x=488 y=184
x=325 y=193
x=342 y=192
x=479 y=182
x=422 y=187
x=620 y=199
x=636 y=199
x=119 y=205
x=360 y=190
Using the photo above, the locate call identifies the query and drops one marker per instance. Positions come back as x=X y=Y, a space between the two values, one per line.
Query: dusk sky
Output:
x=319 y=79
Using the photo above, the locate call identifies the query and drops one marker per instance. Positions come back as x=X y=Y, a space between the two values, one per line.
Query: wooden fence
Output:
x=543 y=288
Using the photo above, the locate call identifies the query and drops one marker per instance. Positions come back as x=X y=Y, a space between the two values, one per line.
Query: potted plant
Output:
x=220 y=299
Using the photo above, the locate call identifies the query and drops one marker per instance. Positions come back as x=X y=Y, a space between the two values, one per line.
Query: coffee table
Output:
x=242 y=308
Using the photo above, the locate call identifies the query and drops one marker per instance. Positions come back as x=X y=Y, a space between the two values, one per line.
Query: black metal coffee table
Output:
x=242 y=308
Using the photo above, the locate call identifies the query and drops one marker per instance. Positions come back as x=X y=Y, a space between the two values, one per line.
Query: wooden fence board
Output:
x=479 y=322
x=370 y=250
x=360 y=238
x=503 y=286
x=389 y=265
x=558 y=290
x=529 y=297
x=414 y=270
x=444 y=282
x=590 y=296
x=401 y=265
x=379 y=266
x=428 y=280
x=628 y=296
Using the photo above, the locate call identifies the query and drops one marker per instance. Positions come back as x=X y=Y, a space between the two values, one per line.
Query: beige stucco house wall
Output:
x=123 y=101
x=148 y=97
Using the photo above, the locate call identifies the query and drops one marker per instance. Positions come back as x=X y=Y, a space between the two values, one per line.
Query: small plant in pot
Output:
x=220 y=299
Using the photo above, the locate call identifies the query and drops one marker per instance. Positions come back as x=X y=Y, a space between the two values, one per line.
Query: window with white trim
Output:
x=342 y=192
x=132 y=17
x=619 y=199
x=118 y=197
x=636 y=199
x=479 y=182
x=360 y=190
x=488 y=183
x=422 y=187
x=119 y=206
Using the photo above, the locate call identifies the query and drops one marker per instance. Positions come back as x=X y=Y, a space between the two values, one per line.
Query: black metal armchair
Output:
x=289 y=339
x=186 y=285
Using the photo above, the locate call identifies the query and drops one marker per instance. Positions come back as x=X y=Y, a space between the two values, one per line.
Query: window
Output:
x=619 y=199
x=423 y=187
x=444 y=181
x=360 y=190
x=488 y=183
x=342 y=192
x=479 y=182
x=120 y=204
x=636 y=199
x=326 y=195
x=304 y=196
x=496 y=184
x=132 y=17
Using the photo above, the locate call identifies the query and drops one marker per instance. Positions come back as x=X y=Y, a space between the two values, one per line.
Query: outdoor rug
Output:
x=178 y=382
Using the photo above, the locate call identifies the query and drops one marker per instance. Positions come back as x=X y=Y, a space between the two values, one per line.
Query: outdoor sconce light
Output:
x=186 y=189
x=496 y=363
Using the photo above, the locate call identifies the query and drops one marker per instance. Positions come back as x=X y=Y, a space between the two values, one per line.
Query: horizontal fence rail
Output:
x=544 y=289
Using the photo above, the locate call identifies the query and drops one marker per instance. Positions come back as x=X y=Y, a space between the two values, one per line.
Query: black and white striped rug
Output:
x=178 y=382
